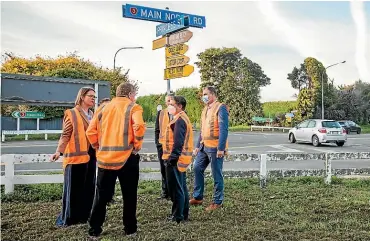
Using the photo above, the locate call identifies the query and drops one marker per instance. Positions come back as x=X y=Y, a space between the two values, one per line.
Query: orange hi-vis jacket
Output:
x=76 y=151
x=210 y=126
x=164 y=119
x=186 y=154
x=116 y=131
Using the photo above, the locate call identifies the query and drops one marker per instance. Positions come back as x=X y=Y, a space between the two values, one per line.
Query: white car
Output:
x=318 y=131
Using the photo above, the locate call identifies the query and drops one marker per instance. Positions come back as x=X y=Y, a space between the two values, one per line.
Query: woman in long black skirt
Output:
x=79 y=163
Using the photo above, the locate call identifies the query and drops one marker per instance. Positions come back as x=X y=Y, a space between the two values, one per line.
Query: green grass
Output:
x=365 y=129
x=289 y=209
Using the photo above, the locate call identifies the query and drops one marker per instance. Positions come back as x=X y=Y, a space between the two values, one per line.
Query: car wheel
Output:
x=359 y=131
x=340 y=143
x=315 y=141
x=292 y=138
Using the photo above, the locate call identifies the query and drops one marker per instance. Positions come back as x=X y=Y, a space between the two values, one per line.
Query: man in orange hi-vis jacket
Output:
x=117 y=133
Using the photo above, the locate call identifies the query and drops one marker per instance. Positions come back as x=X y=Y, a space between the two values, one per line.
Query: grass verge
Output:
x=289 y=209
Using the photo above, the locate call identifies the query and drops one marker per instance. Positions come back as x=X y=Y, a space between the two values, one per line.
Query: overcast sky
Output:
x=276 y=35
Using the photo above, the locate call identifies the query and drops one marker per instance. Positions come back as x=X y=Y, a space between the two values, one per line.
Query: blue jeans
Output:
x=201 y=162
x=178 y=192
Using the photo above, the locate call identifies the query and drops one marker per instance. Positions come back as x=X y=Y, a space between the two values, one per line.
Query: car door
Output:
x=352 y=126
x=308 y=132
x=300 y=130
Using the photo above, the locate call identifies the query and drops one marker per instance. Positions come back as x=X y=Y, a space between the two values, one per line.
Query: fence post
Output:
x=2 y=137
x=26 y=137
x=9 y=174
x=46 y=137
x=327 y=169
x=263 y=170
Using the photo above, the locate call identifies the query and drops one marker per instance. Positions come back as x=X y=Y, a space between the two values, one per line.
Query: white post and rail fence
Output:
x=9 y=179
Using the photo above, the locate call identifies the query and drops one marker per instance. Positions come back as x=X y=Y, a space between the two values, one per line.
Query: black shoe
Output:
x=170 y=218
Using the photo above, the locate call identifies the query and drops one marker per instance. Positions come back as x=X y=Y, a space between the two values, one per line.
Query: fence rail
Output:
x=10 y=179
x=270 y=128
x=29 y=132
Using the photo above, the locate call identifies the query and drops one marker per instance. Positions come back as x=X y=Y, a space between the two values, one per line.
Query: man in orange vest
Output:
x=177 y=153
x=161 y=122
x=211 y=148
x=117 y=133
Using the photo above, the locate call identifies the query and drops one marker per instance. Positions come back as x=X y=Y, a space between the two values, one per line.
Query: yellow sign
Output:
x=178 y=72
x=176 y=61
x=159 y=43
x=176 y=50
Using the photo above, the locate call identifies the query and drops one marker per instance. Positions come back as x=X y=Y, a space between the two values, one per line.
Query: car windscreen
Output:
x=342 y=123
x=330 y=124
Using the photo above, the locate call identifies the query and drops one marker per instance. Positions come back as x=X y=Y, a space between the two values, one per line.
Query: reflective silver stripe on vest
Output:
x=73 y=154
x=116 y=164
x=126 y=146
x=183 y=165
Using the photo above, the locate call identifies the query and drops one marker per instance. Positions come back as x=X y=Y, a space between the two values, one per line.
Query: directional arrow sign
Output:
x=176 y=50
x=178 y=72
x=180 y=37
x=159 y=43
x=28 y=114
x=177 y=61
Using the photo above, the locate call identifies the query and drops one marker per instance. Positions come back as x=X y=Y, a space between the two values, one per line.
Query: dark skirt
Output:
x=78 y=192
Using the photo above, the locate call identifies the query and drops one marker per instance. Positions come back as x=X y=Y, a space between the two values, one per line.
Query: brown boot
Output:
x=195 y=202
x=213 y=207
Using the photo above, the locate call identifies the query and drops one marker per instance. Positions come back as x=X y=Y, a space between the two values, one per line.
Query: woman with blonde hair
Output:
x=79 y=161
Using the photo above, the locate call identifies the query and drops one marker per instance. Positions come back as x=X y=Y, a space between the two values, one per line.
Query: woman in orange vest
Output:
x=177 y=154
x=79 y=162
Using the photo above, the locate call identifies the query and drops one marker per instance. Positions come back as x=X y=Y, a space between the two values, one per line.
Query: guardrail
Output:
x=29 y=132
x=10 y=179
x=271 y=128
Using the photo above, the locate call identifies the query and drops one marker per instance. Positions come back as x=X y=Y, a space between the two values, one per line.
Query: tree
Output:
x=69 y=66
x=237 y=79
x=299 y=78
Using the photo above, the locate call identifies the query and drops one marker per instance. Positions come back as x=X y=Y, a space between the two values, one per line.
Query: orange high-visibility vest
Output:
x=115 y=132
x=186 y=154
x=76 y=151
x=209 y=126
x=164 y=119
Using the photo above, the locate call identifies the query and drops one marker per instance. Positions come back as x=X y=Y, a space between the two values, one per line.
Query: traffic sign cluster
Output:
x=174 y=36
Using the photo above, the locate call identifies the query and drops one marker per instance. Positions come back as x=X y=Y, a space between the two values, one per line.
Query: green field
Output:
x=270 y=109
x=289 y=209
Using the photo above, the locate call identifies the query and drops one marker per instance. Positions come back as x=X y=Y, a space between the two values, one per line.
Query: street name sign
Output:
x=160 y=15
x=177 y=61
x=180 y=37
x=175 y=25
x=178 y=72
x=177 y=49
x=28 y=114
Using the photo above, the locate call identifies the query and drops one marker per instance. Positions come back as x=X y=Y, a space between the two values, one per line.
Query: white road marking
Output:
x=284 y=149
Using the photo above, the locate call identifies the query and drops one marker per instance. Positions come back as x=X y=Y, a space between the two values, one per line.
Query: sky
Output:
x=276 y=35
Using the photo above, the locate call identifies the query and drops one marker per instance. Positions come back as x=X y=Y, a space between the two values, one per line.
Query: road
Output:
x=243 y=142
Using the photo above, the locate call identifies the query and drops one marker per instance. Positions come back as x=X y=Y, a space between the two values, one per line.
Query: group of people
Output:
x=112 y=138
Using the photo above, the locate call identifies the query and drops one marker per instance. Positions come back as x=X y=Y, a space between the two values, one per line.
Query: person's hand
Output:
x=136 y=150
x=220 y=154
x=195 y=152
x=173 y=162
x=55 y=156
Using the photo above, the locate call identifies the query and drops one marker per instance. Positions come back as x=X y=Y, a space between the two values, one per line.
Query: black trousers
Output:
x=163 y=172
x=78 y=192
x=128 y=177
x=178 y=192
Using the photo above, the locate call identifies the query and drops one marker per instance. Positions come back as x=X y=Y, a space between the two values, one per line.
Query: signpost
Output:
x=173 y=26
x=177 y=61
x=160 y=15
x=178 y=72
x=173 y=36
x=178 y=49
x=28 y=115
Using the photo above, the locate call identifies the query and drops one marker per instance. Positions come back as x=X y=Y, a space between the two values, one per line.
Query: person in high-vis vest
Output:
x=162 y=120
x=117 y=133
x=177 y=153
x=211 y=148
x=79 y=161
